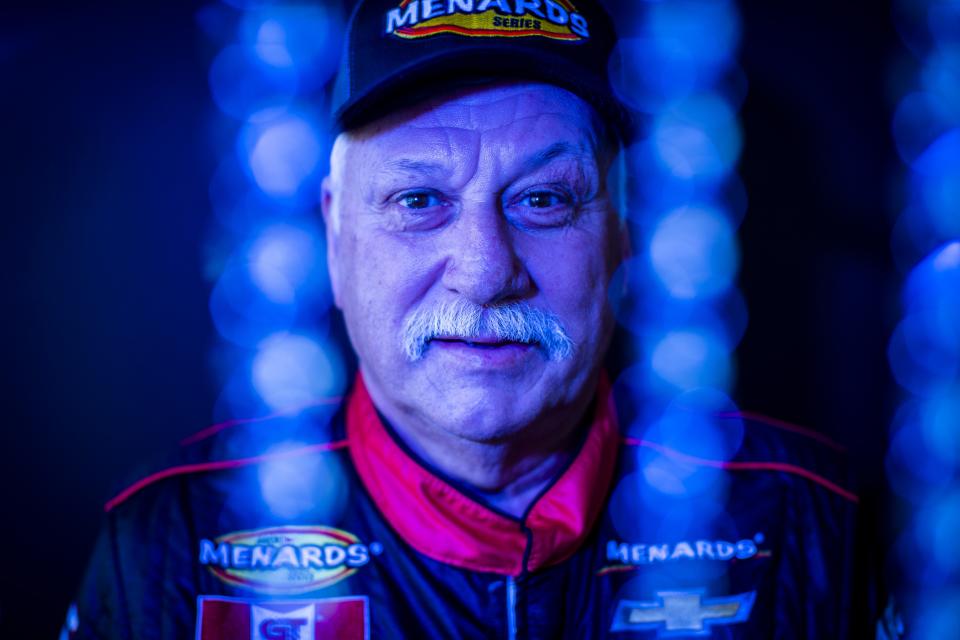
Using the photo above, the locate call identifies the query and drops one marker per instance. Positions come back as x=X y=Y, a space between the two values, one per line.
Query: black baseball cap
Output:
x=400 y=52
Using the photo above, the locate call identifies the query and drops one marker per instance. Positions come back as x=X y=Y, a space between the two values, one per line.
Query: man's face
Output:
x=486 y=200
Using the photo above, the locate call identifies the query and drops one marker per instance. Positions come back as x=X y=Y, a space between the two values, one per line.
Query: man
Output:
x=474 y=483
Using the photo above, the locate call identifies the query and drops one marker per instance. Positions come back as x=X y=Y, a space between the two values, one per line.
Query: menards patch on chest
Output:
x=623 y=556
x=286 y=560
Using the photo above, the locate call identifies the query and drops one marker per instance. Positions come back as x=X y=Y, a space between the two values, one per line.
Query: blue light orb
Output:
x=239 y=205
x=305 y=38
x=941 y=78
x=237 y=398
x=939 y=173
x=941 y=424
x=689 y=359
x=693 y=252
x=688 y=428
x=936 y=529
x=283 y=153
x=291 y=371
x=649 y=77
x=698 y=138
x=933 y=290
x=937 y=616
x=707 y=32
x=682 y=47
x=913 y=469
x=241 y=84
x=294 y=485
x=943 y=20
x=669 y=477
x=241 y=311
x=271 y=44
x=285 y=259
x=918 y=359
x=917 y=122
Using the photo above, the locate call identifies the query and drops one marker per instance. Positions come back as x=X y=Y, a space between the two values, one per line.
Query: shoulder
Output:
x=798 y=456
x=233 y=445
x=777 y=446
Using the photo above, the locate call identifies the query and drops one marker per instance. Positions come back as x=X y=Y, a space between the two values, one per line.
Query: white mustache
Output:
x=514 y=322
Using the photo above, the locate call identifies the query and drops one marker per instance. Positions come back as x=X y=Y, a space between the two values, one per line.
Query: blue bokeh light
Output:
x=693 y=252
x=678 y=295
x=908 y=445
x=916 y=124
x=305 y=38
x=271 y=299
x=941 y=77
x=698 y=138
x=923 y=461
x=688 y=359
x=705 y=31
x=242 y=312
x=291 y=371
x=283 y=152
x=294 y=486
x=938 y=171
x=242 y=84
x=938 y=529
x=649 y=77
x=284 y=259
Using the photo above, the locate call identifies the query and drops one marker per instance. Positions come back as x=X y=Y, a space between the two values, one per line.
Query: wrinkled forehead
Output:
x=521 y=113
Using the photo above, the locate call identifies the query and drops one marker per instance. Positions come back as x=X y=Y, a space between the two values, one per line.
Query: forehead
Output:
x=520 y=114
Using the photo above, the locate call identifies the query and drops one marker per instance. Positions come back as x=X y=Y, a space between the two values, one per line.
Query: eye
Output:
x=543 y=200
x=419 y=199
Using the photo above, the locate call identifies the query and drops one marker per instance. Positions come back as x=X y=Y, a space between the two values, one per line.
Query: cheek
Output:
x=572 y=276
x=383 y=281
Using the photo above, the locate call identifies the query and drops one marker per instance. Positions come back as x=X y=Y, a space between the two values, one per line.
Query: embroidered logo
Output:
x=554 y=19
x=221 y=618
x=682 y=613
x=286 y=560
x=624 y=555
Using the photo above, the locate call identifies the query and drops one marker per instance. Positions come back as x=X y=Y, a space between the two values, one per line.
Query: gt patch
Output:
x=286 y=560
x=682 y=613
x=220 y=618
x=554 y=19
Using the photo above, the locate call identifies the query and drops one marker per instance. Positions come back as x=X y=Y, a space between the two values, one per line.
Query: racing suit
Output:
x=323 y=525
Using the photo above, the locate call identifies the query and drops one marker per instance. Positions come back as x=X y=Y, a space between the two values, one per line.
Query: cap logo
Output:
x=554 y=19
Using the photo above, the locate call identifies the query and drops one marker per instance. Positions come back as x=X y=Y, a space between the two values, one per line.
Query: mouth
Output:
x=481 y=343
x=489 y=354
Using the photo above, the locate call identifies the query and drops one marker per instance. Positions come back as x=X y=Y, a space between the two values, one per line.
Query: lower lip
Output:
x=498 y=355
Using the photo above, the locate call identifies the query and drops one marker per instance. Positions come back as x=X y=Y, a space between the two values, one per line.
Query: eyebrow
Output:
x=410 y=165
x=547 y=155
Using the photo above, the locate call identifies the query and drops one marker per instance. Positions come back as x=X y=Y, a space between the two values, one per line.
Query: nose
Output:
x=482 y=262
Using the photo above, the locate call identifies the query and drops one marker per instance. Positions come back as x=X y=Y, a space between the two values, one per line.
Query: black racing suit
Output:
x=322 y=525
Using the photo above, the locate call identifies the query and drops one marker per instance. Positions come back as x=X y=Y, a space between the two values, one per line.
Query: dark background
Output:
x=108 y=143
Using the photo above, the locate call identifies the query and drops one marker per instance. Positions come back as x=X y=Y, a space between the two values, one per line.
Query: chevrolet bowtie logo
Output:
x=682 y=613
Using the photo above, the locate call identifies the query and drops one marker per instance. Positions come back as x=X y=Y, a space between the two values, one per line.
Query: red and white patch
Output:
x=222 y=618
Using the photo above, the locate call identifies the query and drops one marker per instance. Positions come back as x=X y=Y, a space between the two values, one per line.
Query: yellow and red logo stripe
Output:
x=554 y=19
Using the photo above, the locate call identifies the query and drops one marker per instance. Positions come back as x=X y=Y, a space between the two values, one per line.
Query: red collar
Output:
x=439 y=521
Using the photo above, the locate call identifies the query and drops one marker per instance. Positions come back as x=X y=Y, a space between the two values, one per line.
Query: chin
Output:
x=484 y=415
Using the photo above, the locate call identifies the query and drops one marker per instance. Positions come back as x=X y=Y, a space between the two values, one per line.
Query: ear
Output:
x=331 y=222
